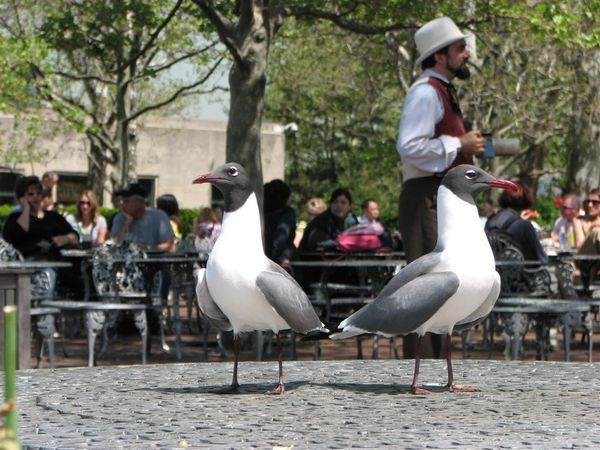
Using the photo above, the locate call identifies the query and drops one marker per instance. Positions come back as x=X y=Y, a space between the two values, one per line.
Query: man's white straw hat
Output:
x=435 y=35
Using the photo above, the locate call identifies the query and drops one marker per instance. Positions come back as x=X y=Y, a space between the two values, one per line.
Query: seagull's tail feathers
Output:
x=348 y=331
x=320 y=333
x=345 y=335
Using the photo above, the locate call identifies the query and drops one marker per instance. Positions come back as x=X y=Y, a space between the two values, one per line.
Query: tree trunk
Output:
x=247 y=81
x=583 y=166
x=532 y=166
x=97 y=165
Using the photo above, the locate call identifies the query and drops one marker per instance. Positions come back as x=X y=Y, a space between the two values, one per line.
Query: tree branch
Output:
x=342 y=22
x=225 y=29
x=75 y=77
x=176 y=94
x=152 y=38
x=183 y=58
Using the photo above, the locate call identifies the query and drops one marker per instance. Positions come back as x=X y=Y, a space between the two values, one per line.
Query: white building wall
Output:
x=173 y=151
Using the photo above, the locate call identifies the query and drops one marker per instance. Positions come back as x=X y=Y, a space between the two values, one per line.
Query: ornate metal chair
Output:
x=118 y=279
x=517 y=280
x=586 y=323
x=43 y=318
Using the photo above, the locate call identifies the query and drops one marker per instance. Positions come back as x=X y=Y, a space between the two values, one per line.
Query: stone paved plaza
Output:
x=328 y=404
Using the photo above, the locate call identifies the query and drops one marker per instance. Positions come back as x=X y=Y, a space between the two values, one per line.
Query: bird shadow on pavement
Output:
x=381 y=388
x=245 y=388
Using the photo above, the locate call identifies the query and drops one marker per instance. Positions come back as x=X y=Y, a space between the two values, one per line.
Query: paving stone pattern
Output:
x=327 y=404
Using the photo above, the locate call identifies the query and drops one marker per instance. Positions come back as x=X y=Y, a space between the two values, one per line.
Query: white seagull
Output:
x=242 y=290
x=452 y=288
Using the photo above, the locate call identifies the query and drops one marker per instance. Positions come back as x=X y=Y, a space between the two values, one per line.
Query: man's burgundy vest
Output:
x=452 y=123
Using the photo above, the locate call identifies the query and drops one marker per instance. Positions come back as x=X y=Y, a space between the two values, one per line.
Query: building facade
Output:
x=171 y=152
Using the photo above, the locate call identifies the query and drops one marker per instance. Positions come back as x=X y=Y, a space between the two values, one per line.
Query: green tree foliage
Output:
x=106 y=64
x=341 y=92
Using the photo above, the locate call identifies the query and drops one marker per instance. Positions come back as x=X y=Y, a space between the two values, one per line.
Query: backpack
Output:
x=359 y=238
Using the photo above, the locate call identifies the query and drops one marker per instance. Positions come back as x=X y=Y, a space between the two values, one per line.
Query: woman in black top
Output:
x=321 y=232
x=521 y=231
x=36 y=233
x=280 y=223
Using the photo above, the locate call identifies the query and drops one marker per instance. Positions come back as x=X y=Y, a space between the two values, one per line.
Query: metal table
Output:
x=517 y=311
x=181 y=269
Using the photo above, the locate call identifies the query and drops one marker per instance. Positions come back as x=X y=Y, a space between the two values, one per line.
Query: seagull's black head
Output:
x=467 y=181
x=233 y=182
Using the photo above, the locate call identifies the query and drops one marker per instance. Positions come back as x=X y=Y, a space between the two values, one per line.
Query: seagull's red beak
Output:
x=205 y=179
x=503 y=184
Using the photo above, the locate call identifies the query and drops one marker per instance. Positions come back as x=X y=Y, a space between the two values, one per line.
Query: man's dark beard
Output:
x=462 y=73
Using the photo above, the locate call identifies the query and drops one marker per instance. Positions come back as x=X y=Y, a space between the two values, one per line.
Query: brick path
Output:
x=328 y=404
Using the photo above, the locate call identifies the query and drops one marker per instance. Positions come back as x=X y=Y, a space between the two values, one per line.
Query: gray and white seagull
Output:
x=242 y=290
x=452 y=288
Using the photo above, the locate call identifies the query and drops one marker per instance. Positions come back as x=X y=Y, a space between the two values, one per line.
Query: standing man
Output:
x=432 y=140
x=148 y=228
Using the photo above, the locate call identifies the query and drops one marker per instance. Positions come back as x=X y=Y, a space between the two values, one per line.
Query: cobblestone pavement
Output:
x=327 y=404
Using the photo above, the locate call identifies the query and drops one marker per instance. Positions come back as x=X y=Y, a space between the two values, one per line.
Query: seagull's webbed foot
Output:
x=277 y=390
x=451 y=386
x=460 y=388
x=416 y=390
x=413 y=387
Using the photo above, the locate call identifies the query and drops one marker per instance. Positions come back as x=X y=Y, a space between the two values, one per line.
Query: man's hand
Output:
x=472 y=143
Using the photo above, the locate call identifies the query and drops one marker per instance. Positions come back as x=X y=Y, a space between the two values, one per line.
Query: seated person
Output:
x=563 y=235
x=587 y=236
x=87 y=221
x=320 y=235
x=36 y=233
x=279 y=222
x=312 y=208
x=168 y=203
x=321 y=232
x=370 y=215
x=587 y=228
x=148 y=228
x=206 y=229
x=370 y=211
x=509 y=221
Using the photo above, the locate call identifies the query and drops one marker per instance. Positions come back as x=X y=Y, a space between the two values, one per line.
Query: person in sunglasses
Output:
x=36 y=233
x=90 y=225
x=587 y=228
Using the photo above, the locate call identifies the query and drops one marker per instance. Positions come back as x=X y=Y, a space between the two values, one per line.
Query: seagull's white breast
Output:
x=232 y=268
x=465 y=251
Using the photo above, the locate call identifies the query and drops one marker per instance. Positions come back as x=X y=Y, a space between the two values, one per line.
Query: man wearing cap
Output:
x=149 y=228
x=432 y=139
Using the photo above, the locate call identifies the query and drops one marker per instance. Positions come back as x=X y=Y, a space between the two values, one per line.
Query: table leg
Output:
x=95 y=322
x=176 y=318
x=45 y=329
x=141 y=323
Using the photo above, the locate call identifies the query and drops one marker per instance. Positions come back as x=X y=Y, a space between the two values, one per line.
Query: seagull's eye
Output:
x=470 y=174
x=233 y=171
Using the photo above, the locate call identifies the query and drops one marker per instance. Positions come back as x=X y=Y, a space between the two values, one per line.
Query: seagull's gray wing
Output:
x=286 y=296
x=484 y=309
x=209 y=309
x=404 y=310
x=418 y=267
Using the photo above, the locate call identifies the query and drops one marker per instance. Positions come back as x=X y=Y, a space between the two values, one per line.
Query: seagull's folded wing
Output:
x=484 y=309
x=286 y=296
x=209 y=309
x=419 y=266
x=403 y=310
